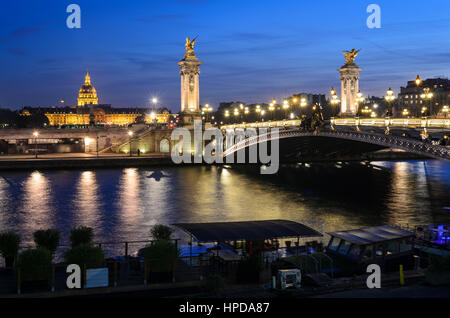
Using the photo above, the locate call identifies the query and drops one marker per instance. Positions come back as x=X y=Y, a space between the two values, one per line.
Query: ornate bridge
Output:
x=295 y=142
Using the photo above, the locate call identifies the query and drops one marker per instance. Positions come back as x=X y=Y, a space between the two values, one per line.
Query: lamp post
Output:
x=207 y=109
x=35 y=134
x=389 y=98
x=359 y=100
x=227 y=115
x=130 y=133
x=285 y=108
x=271 y=109
x=246 y=112
x=427 y=95
x=445 y=110
x=405 y=112
x=258 y=109
x=236 y=113
x=334 y=101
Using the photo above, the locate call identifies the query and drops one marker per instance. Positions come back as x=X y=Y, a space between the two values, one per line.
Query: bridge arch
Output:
x=365 y=141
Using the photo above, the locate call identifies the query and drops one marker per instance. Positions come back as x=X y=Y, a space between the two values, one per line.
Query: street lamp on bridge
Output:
x=389 y=98
x=334 y=101
x=427 y=95
x=359 y=100
x=285 y=107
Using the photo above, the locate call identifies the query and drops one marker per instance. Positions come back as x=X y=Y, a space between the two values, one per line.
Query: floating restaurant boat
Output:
x=387 y=246
x=229 y=241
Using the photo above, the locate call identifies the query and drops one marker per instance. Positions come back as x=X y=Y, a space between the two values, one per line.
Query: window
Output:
x=405 y=246
x=334 y=243
x=392 y=248
x=343 y=249
x=355 y=251
x=368 y=252
x=379 y=250
x=164 y=146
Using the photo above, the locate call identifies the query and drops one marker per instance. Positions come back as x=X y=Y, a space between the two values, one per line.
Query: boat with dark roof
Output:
x=387 y=246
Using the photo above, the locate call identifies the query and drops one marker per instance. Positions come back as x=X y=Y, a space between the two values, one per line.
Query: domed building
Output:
x=89 y=111
x=87 y=94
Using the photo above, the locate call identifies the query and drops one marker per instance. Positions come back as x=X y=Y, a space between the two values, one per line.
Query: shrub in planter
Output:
x=161 y=256
x=35 y=264
x=48 y=239
x=214 y=285
x=81 y=235
x=9 y=247
x=85 y=254
x=161 y=232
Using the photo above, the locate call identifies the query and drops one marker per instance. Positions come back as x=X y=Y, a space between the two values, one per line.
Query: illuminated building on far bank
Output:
x=90 y=112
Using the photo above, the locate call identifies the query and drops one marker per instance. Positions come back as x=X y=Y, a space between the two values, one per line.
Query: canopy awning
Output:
x=372 y=235
x=248 y=230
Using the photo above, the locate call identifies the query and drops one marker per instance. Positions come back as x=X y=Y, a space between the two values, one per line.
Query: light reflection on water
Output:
x=122 y=204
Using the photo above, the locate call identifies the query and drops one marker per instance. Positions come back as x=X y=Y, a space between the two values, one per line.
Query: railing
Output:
x=393 y=122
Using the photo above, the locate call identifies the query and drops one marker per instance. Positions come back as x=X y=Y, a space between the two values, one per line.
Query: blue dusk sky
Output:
x=252 y=50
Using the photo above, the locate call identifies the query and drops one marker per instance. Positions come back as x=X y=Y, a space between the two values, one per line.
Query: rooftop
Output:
x=372 y=235
x=248 y=230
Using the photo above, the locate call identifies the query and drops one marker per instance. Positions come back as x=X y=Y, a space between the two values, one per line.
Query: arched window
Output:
x=164 y=145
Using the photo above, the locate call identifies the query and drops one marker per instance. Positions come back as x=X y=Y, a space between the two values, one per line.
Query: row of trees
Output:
x=9 y=118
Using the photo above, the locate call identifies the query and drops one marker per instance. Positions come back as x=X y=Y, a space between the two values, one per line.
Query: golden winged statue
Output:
x=350 y=56
x=189 y=47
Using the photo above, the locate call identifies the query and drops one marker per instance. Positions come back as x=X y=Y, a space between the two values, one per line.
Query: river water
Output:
x=123 y=204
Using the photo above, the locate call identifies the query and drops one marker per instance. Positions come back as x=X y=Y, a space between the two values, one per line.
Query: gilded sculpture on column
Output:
x=350 y=56
x=189 y=47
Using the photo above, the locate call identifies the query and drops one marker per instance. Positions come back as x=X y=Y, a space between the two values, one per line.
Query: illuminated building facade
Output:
x=90 y=112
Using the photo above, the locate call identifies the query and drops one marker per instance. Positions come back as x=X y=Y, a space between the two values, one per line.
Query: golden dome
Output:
x=87 y=94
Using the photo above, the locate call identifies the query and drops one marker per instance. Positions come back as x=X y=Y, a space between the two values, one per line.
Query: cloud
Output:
x=22 y=32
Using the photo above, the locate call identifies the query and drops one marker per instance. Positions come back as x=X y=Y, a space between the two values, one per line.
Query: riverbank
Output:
x=81 y=160
x=113 y=160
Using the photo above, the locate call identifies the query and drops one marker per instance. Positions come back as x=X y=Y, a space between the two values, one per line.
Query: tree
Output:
x=48 y=239
x=9 y=247
x=81 y=235
x=161 y=232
